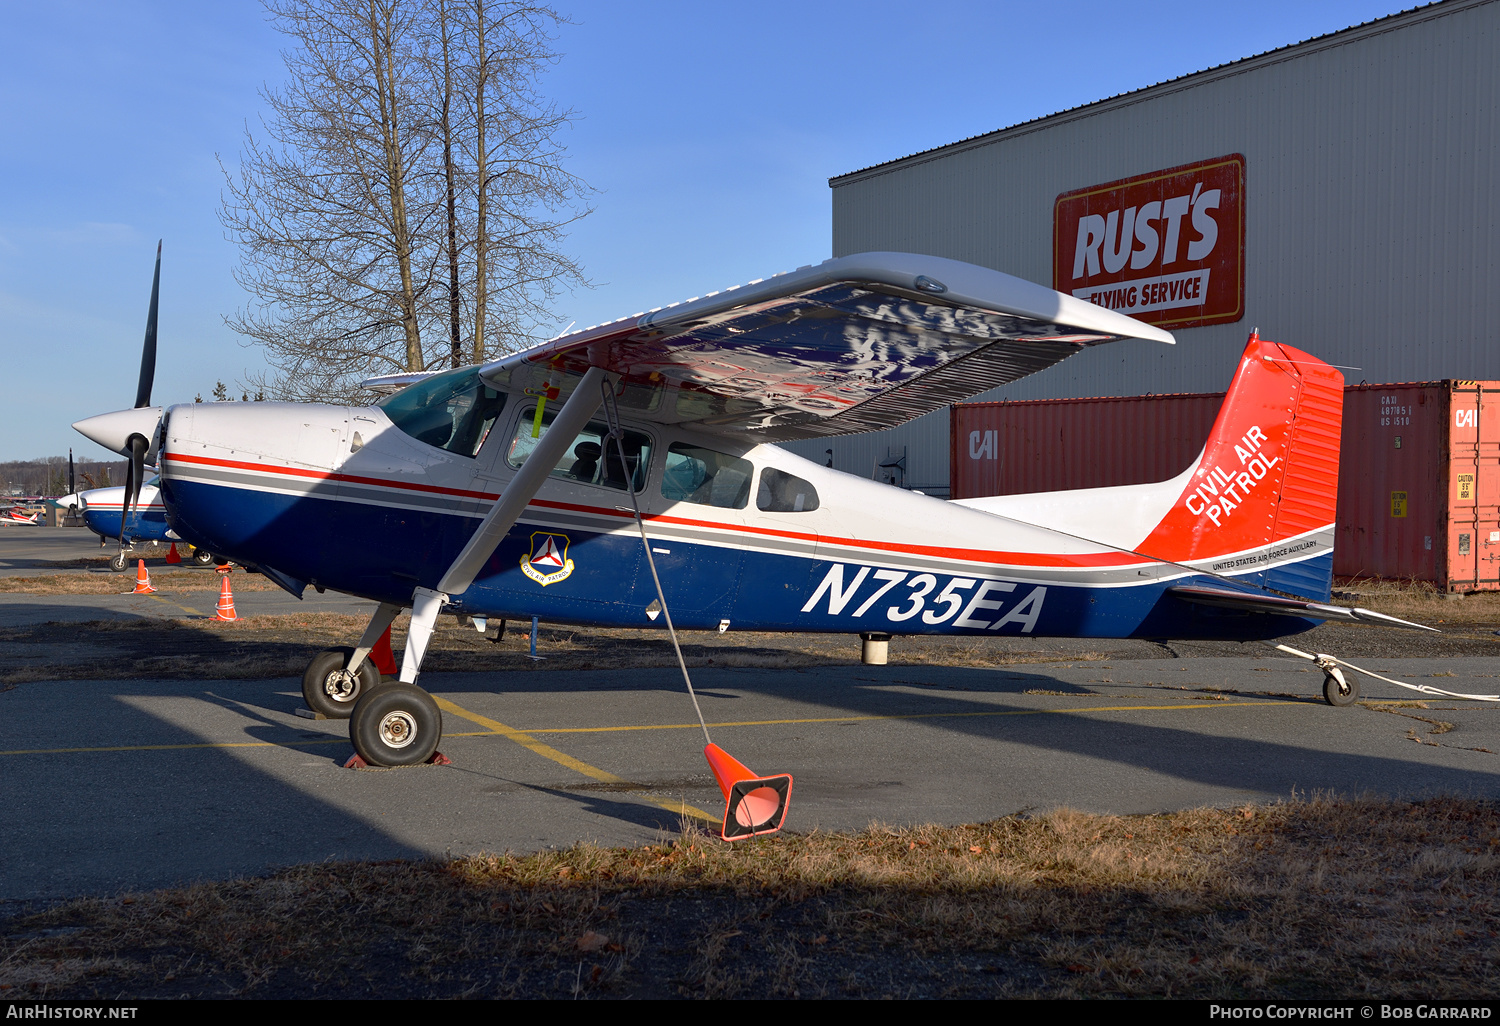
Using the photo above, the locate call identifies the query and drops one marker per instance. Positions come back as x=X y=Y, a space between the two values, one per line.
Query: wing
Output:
x=389 y=384
x=854 y=344
x=1228 y=598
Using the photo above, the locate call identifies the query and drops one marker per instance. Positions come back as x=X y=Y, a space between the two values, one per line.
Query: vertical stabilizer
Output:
x=1261 y=503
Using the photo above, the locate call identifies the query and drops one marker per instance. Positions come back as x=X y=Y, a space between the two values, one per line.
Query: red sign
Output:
x=1167 y=247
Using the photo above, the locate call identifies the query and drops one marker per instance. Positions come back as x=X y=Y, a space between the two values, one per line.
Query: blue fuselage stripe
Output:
x=566 y=573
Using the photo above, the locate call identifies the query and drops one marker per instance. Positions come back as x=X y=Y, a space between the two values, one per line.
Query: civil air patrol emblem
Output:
x=548 y=562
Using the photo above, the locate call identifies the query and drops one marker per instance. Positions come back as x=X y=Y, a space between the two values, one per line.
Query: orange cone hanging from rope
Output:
x=752 y=805
x=172 y=556
x=226 y=601
x=382 y=656
x=142 y=579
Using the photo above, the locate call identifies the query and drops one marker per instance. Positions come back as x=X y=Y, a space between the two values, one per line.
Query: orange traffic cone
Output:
x=226 y=601
x=382 y=656
x=142 y=579
x=752 y=805
x=172 y=556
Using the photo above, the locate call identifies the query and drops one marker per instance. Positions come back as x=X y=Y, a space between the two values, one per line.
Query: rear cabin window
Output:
x=780 y=492
x=453 y=410
x=586 y=461
x=706 y=477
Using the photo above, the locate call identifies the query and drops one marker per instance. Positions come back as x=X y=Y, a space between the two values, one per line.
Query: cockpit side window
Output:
x=589 y=460
x=695 y=474
x=453 y=411
x=781 y=492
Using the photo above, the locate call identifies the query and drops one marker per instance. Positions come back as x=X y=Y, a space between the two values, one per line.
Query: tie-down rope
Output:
x=1325 y=661
x=612 y=414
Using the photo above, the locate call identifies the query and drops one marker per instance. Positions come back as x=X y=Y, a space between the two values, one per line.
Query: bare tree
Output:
x=523 y=198
x=409 y=149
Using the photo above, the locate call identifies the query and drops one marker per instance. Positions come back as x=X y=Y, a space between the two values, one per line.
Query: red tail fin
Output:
x=1269 y=471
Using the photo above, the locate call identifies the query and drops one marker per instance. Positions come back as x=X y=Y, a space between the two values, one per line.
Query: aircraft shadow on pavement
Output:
x=101 y=822
x=1207 y=752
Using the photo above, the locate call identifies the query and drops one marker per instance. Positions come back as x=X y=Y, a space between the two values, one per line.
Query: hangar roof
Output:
x=1389 y=23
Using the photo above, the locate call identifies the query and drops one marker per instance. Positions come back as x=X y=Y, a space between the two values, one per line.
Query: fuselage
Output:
x=744 y=536
x=102 y=509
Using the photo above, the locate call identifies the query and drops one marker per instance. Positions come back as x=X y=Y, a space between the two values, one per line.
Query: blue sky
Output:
x=708 y=130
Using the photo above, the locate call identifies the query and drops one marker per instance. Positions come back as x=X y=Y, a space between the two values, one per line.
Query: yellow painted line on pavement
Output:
x=907 y=716
x=497 y=729
x=163 y=599
x=562 y=758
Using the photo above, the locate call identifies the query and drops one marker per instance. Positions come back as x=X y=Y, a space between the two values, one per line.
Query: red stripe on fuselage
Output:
x=1092 y=560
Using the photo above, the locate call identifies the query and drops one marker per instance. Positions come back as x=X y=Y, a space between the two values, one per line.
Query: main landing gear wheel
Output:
x=118 y=562
x=1338 y=690
x=332 y=690
x=396 y=725
x=202 y=557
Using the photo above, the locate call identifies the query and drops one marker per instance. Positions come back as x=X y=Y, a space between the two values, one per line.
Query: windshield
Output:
x=453 y=410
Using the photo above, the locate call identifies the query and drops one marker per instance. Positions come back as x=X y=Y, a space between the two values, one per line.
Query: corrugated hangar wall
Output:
x=1371 y=231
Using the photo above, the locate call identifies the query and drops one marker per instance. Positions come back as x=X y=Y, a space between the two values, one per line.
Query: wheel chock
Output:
x=357 y=762
x=142 y=579
x=752 y=805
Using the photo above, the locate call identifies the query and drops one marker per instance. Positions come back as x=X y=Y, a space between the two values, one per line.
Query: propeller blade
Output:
x=148 y=350
x=135 y=473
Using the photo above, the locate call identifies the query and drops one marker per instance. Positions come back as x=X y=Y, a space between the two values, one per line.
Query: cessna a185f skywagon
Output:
x=510 y=489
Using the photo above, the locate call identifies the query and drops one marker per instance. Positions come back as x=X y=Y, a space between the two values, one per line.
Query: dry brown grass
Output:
x=281 y=645
x=1418 y=600
x=1300 y=899
x=122 y=583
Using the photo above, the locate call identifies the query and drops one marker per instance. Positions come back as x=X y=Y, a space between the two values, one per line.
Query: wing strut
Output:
x=427 y=602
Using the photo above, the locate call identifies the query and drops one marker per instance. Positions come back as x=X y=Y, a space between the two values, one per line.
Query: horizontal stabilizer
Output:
x=1261 y=603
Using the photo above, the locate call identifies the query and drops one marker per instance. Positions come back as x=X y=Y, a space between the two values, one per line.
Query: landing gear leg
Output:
x=400 y=724
x=386 y=612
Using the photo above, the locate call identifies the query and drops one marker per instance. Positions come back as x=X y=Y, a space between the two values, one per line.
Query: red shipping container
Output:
x=1419 y=467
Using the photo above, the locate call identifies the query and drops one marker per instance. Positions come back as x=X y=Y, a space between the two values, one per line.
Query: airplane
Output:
x=625 y=476
x=19 y=515
x=103 y=510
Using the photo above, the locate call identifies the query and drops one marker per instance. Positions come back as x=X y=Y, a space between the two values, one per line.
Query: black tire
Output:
x=118 y=562
x=1340 y=696
x=327 y=687
x=202 y=557
x=396 y=725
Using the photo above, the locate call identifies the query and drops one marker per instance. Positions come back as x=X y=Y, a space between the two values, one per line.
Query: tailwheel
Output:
x=1338 y=689
x=396 y=725
x=332 y=690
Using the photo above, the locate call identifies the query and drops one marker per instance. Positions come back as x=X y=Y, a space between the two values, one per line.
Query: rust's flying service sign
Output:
x=1167 y=247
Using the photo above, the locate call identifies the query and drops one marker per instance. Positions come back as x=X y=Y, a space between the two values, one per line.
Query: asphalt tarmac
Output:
x=29 y=551
x=125 y=785
x=38 y=551
x=115 y=785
